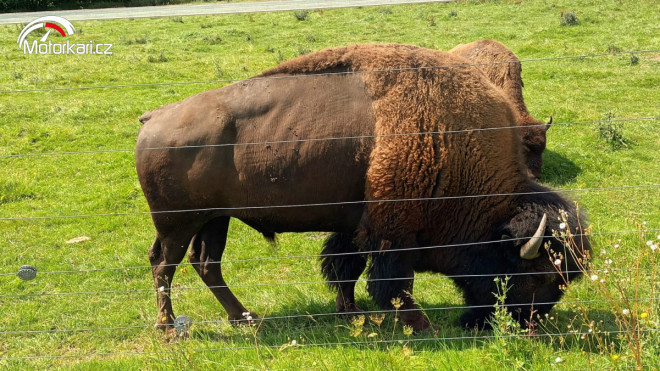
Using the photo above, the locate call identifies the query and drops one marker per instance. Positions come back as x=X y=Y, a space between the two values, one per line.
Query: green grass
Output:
x=223 y=48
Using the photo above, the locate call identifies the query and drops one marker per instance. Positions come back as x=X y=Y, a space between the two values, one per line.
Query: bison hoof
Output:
x=349 y=309
x=475 y=320
x=416 y=320
x=246 y=318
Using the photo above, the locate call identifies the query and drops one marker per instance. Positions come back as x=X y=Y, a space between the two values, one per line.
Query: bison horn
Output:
x=547 y=126
x=530 y=249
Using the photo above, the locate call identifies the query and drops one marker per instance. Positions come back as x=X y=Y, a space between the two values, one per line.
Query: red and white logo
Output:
x=47 y=22
x=64 y=28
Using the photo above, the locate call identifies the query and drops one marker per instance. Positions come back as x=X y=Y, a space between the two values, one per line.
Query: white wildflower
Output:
x=625 y=312
x=594 y=277
x=603 y=252
x=558 y=360
x=616 y=246
x=562 y=225
x=161 y=289
x=294 y=342
x=245 y=314
x=558 y=262
x=608 y=261
x=654 y=247
x=649 y=243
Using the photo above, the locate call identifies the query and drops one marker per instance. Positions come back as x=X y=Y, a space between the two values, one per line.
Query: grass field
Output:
x=42 y=111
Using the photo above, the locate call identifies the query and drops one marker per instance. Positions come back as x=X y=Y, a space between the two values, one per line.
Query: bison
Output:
x=378 y=143
x=503 y=69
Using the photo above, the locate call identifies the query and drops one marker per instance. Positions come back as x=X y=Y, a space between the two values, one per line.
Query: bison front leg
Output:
x=165 y=254
x=391 y=277
x=342 y=267
x=206 y=255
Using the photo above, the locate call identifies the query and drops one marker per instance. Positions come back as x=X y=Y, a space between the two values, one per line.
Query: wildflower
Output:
x=625 y=312
x=558 y=360
x=615 y=357
x=654 y=247
x=397 y=303
x=602 y=280
x=161 y=289
x=558 y=262
x=643 y=315
x=594 y=277
x=659 y=237
x=294 y=342
x=562 y=225
x=616 y=246
x=608 y=261
x=603 y=252
x=649 y=243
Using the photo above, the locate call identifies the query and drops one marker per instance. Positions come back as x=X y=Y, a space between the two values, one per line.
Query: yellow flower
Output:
x=615 y=357
x=643 y=315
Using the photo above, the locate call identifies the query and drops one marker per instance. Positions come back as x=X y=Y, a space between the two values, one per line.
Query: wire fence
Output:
x=326 y=204
x=356 y=137
x=139 y=291
x=404 y=69
x=133 y=291
x=317 y=256
x=314 y=316
x=335 y=344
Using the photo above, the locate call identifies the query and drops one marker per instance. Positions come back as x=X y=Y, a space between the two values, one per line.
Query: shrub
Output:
x=301 y=15
x=569 y=19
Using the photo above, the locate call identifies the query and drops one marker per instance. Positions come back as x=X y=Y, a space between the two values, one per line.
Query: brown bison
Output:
x=373 y=142
x=503 y=69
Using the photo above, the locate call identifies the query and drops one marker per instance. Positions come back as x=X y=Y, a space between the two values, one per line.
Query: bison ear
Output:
x=547 y=126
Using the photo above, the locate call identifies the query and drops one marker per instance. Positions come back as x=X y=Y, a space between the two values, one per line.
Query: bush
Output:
x=569 y=19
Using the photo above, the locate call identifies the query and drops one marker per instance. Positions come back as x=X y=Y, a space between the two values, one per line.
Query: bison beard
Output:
x=443 y=173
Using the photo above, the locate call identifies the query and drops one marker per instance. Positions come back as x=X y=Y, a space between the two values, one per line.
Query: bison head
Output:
x=539 y=268
x=533 y=138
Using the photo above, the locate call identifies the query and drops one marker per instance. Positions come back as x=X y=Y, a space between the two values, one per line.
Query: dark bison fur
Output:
x=342 y=264
x=186 y=159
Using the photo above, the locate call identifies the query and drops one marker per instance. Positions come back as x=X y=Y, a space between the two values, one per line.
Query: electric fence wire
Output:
x=356 y=137
x=329 y=314
x=403 y=69
x=323 y=204
x=296 y=283
x=330 y=344
x=313 y=256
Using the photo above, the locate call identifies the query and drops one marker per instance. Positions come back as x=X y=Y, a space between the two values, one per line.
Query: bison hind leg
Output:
x=342 y=267
x=205 y=255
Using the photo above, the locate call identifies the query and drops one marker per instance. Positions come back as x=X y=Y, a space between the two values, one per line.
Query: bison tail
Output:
x=145 y=117
x=339 y=261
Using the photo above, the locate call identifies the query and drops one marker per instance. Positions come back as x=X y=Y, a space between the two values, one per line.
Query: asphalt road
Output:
x=201 y=9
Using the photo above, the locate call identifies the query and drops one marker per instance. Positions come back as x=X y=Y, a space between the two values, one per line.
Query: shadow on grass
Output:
x=294 y=321
x=558 y=170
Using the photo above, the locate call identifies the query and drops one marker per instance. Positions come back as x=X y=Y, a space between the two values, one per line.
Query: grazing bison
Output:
x=503 y=69
x=373 y=139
